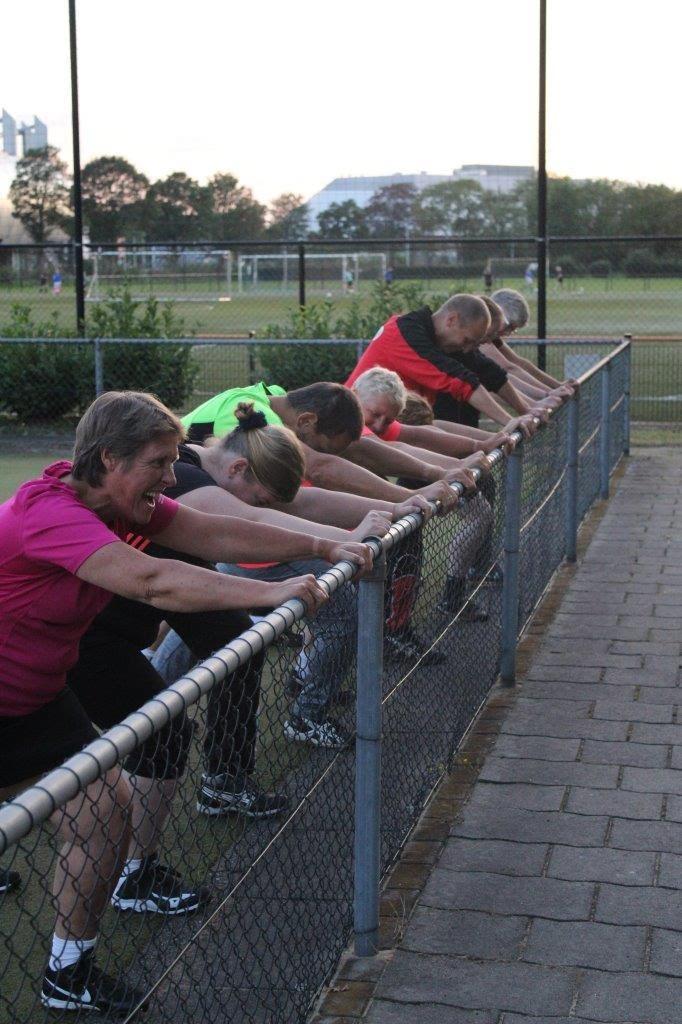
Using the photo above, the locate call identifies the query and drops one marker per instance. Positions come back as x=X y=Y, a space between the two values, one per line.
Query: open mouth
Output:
x=149 y=497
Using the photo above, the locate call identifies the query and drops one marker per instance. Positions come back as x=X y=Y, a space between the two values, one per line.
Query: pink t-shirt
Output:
x=46 y=534
x=391 y=433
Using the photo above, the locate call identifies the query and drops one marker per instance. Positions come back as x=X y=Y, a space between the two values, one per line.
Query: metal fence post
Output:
x=605 y=432
x=572 y=456
x=301 y=274
x=368 y=760
x=626 y=398
x=99 y=368
x=510 y=588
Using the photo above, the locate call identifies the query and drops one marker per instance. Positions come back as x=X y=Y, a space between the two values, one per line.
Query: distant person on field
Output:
x=349 y=278
x=57 y=283
x=488 y=278
x=389 y=275
x=559 y=274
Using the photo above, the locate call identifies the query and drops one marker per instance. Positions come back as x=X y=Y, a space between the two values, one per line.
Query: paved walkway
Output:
x=558 y=894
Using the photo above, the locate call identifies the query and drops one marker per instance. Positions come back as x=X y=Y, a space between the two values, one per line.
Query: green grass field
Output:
x=587 y=307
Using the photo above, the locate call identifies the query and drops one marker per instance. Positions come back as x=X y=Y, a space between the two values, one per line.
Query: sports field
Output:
x=583 y=306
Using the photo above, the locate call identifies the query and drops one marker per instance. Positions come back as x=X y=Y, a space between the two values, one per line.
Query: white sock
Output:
x=301 y=668
x=67 y=951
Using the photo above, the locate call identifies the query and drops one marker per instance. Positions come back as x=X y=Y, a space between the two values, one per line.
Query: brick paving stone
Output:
x=577 y=657
x=563 y=725
x=615 y=803
x=663 y=836
x=633 y=711
x=670 y=648
x=541 y=748
x=623 y=867
x=559 y=673
x=501 y=894
x=652 y=780
x=643 y=905
x=636 y=677
x=642 y=755
x=465 y=933
x=550 y=773
x=666 y=952
x=523 y=988
x=384 y=1011
x=659 y=694
x=579 y=691
x=673 y=810
x=515 y=1018
x=643 y=732
x=531 y=826
x=586 y=944
x=670 y=872
x=631 y=997
x=493 y=856
x=528 y=798
x=555 y=706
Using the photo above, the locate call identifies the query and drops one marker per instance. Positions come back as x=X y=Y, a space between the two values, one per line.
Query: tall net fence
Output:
x=240 y=905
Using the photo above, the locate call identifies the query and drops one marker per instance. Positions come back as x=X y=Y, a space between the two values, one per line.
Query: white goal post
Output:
x=325 y=271
x=178 y=275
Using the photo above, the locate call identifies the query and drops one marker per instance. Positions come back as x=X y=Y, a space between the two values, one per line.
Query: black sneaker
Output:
x=82 y=986
x=157 y=889
x=294 y=685
x=454 y=602
x=217 y=795
x=9 y=880
x=409 y=646
x=322 y=733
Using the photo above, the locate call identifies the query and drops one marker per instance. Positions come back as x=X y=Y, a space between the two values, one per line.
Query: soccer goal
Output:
x=184 y=275
x=325 y=273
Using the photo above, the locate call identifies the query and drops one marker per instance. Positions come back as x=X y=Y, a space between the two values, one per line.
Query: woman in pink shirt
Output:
x=62 y=556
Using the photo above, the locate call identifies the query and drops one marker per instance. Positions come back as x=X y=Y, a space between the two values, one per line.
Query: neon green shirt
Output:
x=217 y=416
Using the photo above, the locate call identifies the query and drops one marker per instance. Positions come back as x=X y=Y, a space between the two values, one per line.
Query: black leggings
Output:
x=113 y=678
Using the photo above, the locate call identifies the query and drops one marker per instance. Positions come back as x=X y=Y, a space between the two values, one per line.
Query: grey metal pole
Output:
x=99 y=368
x=605 y=433
x=368 y=760
x=510 y=588
x=572 y=456
x=626 y=400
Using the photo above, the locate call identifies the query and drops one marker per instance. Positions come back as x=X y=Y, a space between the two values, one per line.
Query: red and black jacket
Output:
x=407 y=344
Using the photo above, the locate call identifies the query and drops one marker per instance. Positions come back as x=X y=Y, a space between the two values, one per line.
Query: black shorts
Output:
x=32 y=744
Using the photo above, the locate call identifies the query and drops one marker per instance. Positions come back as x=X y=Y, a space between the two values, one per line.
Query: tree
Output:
x=235 y=212
x=113 y=196
x=452 y=208
x=390 y=211
x=288 y=217
x=40 y=192
x=177 y=209
x=342 y=220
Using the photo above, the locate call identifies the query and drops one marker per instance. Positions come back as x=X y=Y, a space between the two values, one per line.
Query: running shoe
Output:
x=83 y=986
x=318 y=733
x=217 y=795
x=157 y=889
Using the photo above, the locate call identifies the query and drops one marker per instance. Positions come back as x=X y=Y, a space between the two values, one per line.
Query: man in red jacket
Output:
x=436 y=353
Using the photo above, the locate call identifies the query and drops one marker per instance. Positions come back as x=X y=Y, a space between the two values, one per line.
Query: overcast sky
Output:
x=290 y=94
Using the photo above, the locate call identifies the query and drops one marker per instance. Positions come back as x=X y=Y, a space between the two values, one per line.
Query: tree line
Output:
x=120 y=202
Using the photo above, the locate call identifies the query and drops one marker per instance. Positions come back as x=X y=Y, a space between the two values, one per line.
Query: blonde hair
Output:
x=417 y=411
x=274 y=454
x=379 y=381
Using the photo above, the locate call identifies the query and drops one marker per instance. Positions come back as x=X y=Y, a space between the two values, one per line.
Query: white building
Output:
x=494 y=177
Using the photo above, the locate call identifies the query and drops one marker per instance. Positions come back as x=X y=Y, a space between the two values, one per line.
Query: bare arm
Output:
x=514 y=398
x=443 y=442
x=347 y=510
x=216 y=501
x=529 y=367
x=329 y=471
x=482 y=400
x=221 y=538
x=391 y=460
x=177 y=586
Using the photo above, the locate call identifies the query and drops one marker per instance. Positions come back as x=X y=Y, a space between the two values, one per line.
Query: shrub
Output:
x=293 y=366
x=600 y=268
x=641 y=263
x=42 y=382
x=170 y=371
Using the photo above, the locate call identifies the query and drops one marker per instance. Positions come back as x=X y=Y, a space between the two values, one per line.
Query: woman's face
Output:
x=244 y=485
x=379 y=412
x=134 y=487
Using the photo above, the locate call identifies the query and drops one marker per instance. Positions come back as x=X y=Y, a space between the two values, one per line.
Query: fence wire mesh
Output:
x=252 y=824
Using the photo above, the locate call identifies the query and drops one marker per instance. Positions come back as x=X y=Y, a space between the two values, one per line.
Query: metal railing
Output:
x=287 y=893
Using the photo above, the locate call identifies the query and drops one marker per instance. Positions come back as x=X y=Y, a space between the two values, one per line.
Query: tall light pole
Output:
x=77 y=192
x=542 y=193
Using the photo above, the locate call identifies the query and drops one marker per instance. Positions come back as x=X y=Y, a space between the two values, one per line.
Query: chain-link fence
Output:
x=257 y=847
x=596 y=288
